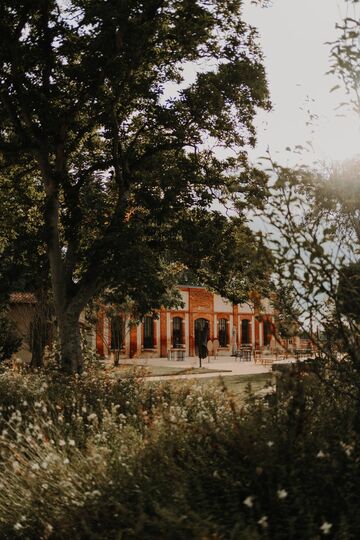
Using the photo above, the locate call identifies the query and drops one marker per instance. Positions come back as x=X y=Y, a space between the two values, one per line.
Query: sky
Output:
x=293 y=36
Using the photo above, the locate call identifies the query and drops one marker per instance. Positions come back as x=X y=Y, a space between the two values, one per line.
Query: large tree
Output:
x=120 y=107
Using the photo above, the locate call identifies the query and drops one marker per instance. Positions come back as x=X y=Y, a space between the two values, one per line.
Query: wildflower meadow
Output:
x=99 y=458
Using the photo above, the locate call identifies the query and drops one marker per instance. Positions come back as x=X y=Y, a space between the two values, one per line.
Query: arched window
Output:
x=117 y=332
x=177 y=332
x=223 y=333
x=245 y=337
x=148 y=332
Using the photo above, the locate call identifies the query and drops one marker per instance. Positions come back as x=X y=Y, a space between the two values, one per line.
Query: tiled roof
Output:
x=22 y=298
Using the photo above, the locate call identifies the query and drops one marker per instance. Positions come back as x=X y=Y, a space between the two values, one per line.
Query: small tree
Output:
x=316 y=260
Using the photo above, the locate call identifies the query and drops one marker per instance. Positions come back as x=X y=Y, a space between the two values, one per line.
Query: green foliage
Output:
x=316 y=249
x=286 y=312
x=10 y=341
x=345 y=56
x=224 y=255
x=99 y=458
x=95 y=87
x=23 y=262
x=348 y=293
x=335 y=198
x=124 y=145
x=315 y=214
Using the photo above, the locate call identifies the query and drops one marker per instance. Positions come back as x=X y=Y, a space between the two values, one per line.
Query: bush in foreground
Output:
x=10 y=342
x=103 y=459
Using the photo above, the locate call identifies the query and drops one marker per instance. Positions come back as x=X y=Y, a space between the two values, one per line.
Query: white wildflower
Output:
x=326 y=527
x=282 y=494
x=348 y=448
x=270 y=444
x=263 y=522
x=18 y=526
x=71 y=442
x=320 y=454
x=66 y=461
x=249 y=501
x=62 y=442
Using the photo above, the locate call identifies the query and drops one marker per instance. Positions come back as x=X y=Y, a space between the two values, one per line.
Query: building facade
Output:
x=233 y=325
x=171 y=331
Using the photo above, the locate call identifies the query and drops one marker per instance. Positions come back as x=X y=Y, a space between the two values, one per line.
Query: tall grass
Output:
x=94 y=458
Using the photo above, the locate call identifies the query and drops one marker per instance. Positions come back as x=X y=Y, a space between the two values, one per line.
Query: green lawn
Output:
x=237 y=385
x=126 y=370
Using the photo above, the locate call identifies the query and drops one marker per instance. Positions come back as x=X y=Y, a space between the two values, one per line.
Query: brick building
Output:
x=233 y=325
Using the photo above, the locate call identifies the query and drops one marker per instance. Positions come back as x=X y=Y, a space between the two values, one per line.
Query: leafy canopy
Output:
x=121 y=108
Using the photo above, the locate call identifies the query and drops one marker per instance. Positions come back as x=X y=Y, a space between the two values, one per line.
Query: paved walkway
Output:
x=225 y=366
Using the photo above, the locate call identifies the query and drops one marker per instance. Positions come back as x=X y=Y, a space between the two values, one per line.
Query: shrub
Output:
x=10 y=342
x=99 y=458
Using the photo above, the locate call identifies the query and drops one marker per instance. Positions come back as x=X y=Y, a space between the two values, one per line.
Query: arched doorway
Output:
x=202 y=331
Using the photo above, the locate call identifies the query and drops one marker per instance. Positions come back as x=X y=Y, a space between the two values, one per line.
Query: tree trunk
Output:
x=116 y=357
x=71 y=356
x=69 y=297
x=37 y=347
x=67 y=314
